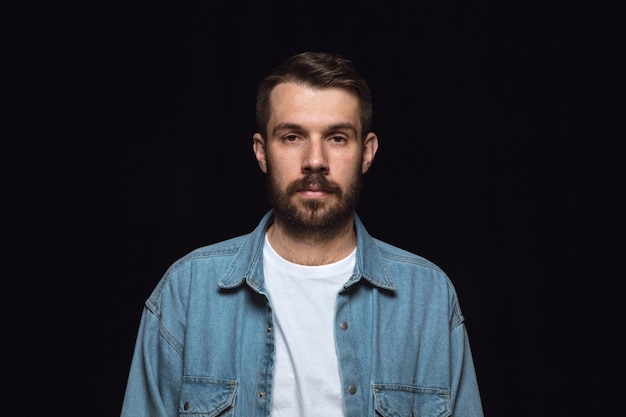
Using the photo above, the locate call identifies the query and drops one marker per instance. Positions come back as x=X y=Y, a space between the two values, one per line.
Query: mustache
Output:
x=316 y=180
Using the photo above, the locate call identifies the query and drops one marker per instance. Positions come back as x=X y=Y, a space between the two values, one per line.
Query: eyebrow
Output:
x=295 y=126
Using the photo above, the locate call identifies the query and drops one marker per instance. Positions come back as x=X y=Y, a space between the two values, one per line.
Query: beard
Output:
x=312 y=217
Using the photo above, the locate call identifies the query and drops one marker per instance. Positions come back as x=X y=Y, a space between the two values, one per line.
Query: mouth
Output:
x=313 y=193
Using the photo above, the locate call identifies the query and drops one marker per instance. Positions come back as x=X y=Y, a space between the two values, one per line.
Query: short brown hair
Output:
x=320 y=70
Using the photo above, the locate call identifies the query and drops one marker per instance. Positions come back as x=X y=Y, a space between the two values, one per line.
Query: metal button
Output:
x=343 y=325
x=186 y=406
x=262 y=394
x=352 y=389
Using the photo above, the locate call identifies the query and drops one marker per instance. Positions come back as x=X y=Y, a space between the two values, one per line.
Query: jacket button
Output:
x=352 y=389
x=186 y=406
x=343 y=325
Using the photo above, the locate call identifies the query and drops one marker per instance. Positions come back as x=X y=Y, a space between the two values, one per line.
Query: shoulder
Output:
x=221 y=250
x=403 y=258
x=418 y=276
x=200 y=268
x=423 y=280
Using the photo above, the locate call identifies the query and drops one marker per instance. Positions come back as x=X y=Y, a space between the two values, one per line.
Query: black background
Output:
x=128 y=134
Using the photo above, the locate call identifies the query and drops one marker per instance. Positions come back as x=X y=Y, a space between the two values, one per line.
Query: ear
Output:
x=258 y=146
x=370 y=146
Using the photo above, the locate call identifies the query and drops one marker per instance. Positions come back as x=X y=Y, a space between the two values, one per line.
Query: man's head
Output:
x=312 y=111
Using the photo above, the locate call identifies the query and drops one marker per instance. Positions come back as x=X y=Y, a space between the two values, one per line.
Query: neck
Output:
x=312 y=249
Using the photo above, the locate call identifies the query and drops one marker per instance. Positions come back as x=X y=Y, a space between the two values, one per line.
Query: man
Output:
x=308 y=315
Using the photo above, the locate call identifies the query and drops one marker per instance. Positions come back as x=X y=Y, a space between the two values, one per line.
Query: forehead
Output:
x=298 y=103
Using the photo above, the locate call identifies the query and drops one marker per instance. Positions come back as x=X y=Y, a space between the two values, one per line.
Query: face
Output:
x=314 y=156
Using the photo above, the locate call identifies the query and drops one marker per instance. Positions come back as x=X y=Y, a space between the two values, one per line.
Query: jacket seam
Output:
x=169 y=337
x=415 y=260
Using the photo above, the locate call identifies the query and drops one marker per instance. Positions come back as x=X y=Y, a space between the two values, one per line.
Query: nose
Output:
x=315 y=159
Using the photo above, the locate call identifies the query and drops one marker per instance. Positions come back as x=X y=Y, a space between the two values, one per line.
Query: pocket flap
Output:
x=206 y=396
x=391 y=400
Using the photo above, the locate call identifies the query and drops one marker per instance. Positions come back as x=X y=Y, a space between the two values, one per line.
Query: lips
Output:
x=315 y=189
x=313 y=192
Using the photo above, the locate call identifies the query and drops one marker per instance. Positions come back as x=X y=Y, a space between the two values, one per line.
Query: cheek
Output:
x=350 y=172
x=279 y=169
x=356 y=165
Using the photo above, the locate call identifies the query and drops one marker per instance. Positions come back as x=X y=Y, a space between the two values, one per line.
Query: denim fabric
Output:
x=205 y=345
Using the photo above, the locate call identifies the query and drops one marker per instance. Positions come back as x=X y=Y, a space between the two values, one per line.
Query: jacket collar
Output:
x=248 y=263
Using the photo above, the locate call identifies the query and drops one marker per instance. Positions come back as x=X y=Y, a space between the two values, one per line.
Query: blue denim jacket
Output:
x=206 y=348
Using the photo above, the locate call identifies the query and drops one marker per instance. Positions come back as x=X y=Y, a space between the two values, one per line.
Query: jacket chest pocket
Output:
x=407 y=401
x=207 y=397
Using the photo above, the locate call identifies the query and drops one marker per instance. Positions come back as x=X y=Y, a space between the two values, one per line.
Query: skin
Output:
x=314 y=131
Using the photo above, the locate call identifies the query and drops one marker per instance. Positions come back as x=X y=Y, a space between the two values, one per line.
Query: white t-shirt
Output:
x=306 y=372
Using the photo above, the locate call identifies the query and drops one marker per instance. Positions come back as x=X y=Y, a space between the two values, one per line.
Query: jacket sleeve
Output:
x=465 y=396
x=154 y=381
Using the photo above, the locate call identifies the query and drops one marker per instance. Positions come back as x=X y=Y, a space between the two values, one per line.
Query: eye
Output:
x=290 y=138
x=338 y=139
